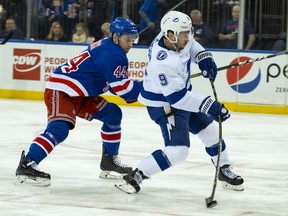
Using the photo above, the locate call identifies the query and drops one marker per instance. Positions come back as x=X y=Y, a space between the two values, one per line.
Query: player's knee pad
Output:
x=58 y=131
x=209 y=135
x=176 y=154
x=110 y=115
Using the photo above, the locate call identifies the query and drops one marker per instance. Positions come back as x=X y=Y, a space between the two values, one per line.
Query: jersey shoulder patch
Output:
x=161 y=55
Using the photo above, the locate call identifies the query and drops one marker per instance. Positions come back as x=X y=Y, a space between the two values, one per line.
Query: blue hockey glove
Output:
x=213 y=109
x=207 y=65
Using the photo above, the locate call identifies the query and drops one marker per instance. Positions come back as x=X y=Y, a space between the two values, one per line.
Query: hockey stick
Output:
x=180 y=3
x=244 y=63
x=7 y=38
x=147 y=27
x=210 y=203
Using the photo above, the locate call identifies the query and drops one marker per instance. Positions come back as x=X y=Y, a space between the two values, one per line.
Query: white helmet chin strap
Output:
x=175 y=47
x=172 y=42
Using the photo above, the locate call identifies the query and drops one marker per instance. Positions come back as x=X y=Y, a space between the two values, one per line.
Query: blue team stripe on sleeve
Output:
x=176 y=96
x=153 y=96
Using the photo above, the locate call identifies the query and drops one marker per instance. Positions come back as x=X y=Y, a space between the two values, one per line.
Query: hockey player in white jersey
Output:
x=171 y=103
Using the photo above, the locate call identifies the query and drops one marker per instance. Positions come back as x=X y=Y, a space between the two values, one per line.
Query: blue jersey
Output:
x=231 y=26
x=101 y=67
x=150 y=11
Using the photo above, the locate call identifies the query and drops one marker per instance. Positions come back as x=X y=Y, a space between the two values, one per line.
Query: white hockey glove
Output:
x=214 y=109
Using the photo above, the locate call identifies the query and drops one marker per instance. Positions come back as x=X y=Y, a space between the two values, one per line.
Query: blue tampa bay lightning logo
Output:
x=176 y=19
x=236 y=75
x=161 y=55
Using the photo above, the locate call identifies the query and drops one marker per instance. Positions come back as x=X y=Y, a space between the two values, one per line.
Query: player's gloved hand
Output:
x=207 y=65
x=214 y=109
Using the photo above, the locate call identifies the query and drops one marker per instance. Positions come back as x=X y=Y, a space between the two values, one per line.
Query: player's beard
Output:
x=126 y=50
x=178 y=47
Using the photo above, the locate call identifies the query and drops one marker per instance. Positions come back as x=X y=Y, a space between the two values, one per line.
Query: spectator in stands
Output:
x=71 y=15
x=280 y=43
x=56 y=11
x=229 y=31
x=81 y=33
x=40 y=19
x=56 y=33
x=2 y=16
x=94 y=11
x=105 y=29
x=11 y=26
x=202 y=32
x=18 y=10
x=149 y=21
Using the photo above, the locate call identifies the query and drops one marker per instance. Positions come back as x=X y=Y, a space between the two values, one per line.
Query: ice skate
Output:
x=229 y=179
x=112 y=168
x=27 y=172
x=132 y=181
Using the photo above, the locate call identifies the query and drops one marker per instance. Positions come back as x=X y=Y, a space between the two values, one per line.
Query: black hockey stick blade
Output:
x=210 y=203
x=7 y=38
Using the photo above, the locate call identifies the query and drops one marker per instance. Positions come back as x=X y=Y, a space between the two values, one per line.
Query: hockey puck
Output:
x=210 y=203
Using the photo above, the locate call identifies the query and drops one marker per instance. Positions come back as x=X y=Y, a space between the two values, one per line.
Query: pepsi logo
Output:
x=243 y=79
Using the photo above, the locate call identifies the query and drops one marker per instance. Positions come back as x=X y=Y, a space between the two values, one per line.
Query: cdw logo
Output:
x=26 y=64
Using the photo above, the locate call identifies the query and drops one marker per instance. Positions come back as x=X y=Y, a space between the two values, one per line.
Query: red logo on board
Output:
x=26 y=65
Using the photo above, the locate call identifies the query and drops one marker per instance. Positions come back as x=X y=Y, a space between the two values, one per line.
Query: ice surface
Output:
x=257 y=144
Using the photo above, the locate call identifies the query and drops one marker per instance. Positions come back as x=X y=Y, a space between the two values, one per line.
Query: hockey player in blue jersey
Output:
x=74 y=89
x=171 y=103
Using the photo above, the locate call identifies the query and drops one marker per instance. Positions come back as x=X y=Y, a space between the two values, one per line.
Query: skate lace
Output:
x=117 y=162
x=34 y=166
x=227 y=172
x=138 y=177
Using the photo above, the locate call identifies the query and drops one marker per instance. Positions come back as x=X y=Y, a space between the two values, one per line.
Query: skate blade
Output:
x=40 y=182
x=111 y=175
x=232 y=187
x=127 y=188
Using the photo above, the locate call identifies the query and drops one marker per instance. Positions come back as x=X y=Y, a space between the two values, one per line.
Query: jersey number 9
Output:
x=163 y=79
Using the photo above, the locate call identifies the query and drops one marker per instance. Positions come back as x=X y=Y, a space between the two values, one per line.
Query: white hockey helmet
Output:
x=176 y=22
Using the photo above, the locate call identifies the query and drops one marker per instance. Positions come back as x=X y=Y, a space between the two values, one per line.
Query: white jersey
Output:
x=167 y=77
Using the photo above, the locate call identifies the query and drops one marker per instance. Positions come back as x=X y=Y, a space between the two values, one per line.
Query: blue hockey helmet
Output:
x=123 y=26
